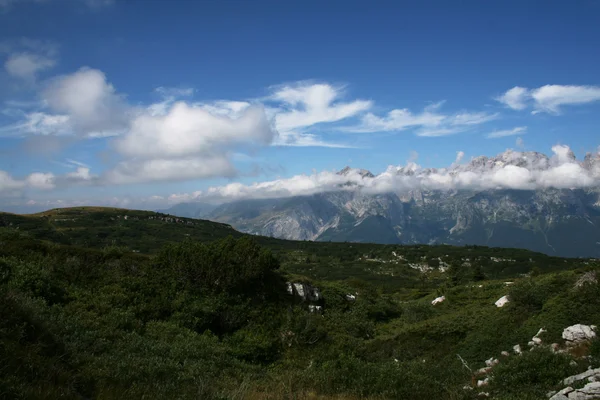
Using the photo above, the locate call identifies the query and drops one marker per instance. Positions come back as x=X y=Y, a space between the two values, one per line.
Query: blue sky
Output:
x=129 y=102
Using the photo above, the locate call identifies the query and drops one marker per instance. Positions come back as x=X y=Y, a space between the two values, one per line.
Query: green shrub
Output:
x=533 y=373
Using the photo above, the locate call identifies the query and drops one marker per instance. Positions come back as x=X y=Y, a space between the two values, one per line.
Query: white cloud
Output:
x=519 y=130
x=397 y=120
x=174 y=91
x=40 y=180
x=37 y=180
x=308 y=105
x=26 y=58
x=549 y=98
x=431 y=121
x=436 y=132
x=92 y=104
x=459 y=156
x=8 y=183
x=515 y=98
x=39 y=123
x=187 y=142
x=231 y=109
x=27 y=65
x=176 y=169
x=186 y=130
x=510 y=170
x=299 y=139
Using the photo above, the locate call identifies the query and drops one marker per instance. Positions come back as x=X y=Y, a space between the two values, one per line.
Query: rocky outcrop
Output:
x=307 y=294
x=576 y=334
x=590 y=391
x=304 y=291
x=587 y=278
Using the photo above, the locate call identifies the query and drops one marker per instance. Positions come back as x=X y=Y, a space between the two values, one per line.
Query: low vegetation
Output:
x=147 y=307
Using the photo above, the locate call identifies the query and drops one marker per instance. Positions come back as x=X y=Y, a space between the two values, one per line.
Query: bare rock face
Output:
x=309 y=295
x=578 y=333
x=587 y=278
x=589 y=392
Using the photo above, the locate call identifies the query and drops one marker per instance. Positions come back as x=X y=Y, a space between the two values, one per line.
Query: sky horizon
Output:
x=145 y=104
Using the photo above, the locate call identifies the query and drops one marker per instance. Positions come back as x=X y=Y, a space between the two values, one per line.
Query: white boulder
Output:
x=542 y=330
x=502 y=301
x=315 y=309
x=517 y=349
x=578 y=333
x=491 y=362
x=483 y=382
x=438 y=300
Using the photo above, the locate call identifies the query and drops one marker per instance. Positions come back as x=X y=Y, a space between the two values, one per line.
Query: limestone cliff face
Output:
x=563 y=222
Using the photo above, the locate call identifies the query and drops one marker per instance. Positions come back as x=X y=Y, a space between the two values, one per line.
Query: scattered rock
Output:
x=542 y=330
x=350 y=297
x=484 y=371
x=578 y=333
x=587 y=278
x=502 y=301
x=483 y=382
x=483 y=394
x=315 y=309
x=505 y=353
x=537 y=341
x=517 y=349
x=555 y=347
x=438 y=300
x=492 y=362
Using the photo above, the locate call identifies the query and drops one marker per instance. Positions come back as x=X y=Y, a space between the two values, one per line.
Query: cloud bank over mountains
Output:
x=508 y=170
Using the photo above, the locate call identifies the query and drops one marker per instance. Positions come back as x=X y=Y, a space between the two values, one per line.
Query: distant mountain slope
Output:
x=564 y=222
x=142 y=231
x=189 y=210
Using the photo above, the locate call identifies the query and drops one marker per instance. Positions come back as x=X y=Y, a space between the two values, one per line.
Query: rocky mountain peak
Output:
x=362 y=172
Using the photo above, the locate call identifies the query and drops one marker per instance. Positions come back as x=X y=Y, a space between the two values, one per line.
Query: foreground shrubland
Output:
x=216 y=321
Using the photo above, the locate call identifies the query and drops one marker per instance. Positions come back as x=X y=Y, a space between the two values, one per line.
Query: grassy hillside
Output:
x=198 y=315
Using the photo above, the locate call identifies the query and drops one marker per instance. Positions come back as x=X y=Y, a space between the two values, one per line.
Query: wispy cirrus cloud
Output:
x=549 y=98
x=519 y=130
x=431 y=122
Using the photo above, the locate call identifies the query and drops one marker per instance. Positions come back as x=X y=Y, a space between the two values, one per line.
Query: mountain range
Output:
x=555 y=220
